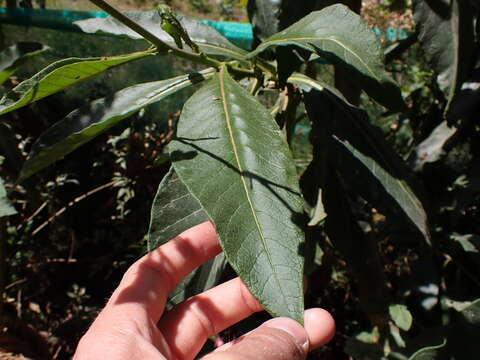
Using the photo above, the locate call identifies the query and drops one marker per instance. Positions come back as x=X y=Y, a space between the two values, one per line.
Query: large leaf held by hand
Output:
x=339 y=34
x=16 y=55
x=232 y=157
x=85 y=123
x=446 y=34
x=175 y=210
x=208 y=39
x=60 y=75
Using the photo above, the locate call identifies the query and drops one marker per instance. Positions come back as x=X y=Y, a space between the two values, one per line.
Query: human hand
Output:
x=133 y=324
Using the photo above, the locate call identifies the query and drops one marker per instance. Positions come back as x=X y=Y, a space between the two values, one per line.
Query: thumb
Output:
x=276 y=339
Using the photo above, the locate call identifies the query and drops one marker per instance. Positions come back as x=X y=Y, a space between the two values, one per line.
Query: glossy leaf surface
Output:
x=446 y=34
x=85 y=123
x=339 y=34
x=175 y=210
x=380 y=176
x=208 y=39
x=16 y=55
x=232 y=157
x=60 y=75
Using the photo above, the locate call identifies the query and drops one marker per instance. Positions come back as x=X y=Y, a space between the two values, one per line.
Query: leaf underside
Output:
x=175 y=210
x=446 y=34
x=86 y=123
x=236 y=163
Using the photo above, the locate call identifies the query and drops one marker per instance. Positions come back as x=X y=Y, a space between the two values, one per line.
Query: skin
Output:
x=133 y=324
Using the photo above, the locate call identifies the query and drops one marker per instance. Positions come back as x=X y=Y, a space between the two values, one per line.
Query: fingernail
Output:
x=293 y=328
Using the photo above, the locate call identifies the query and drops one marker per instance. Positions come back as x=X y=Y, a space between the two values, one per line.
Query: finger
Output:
x=187 y=326
x=146 y=284
x=277 y=339
x=319 y=325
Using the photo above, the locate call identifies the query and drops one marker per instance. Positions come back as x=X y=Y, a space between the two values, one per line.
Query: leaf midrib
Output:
x=240 y=168
x=267 y=43
x=222 y=48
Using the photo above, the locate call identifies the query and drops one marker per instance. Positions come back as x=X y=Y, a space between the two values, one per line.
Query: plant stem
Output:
x=131 y=24
x=161 y=45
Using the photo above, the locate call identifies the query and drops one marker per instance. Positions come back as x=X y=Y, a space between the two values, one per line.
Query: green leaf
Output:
x=390 y=189
x=339 y=34
x=471 y=315
x=446 y=34
x=433 y=147
x=401 y=316
x=359 y=250
x=319 y=214
x=199 y=280
x=60 y=75
x=85 y=123
x=463 y=333
x=365 y=160
x=6 y=208
x=232 y=157
x=468 y=242
x=210 y=41
x=13 y=57
x=175 y=210
x=270 y=16
x=264 y=16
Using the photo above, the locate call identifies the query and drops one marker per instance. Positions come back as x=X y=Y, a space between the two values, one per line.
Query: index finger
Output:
x=146 y=284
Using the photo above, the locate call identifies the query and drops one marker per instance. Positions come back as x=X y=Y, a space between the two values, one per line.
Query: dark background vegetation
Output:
x=82 y=221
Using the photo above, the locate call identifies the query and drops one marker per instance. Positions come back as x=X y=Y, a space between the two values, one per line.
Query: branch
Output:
x=161 y=45
x=70 y=204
